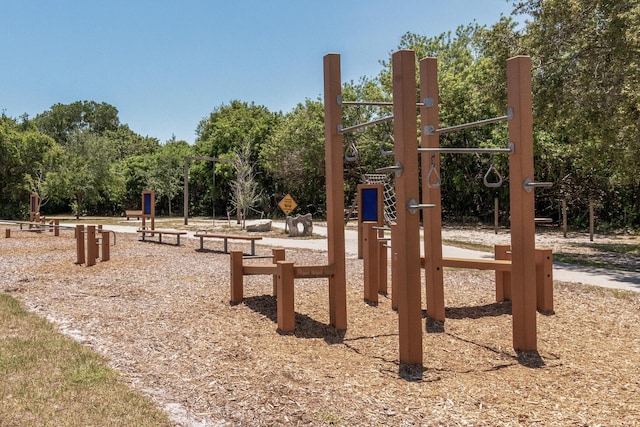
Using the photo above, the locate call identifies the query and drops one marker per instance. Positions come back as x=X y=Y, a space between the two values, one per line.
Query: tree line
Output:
x=79 y=158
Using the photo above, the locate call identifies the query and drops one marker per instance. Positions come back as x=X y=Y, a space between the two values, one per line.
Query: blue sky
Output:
x=166 y=65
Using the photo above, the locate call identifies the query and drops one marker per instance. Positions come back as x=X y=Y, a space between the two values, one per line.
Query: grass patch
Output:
x=468 y=245
x=47 y=378
x=580 y=260
x=617 y=248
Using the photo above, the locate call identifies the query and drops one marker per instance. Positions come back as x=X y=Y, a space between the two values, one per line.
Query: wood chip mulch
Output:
x=162 y=317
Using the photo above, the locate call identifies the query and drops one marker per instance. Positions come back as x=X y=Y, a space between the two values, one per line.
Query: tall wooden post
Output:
x=523 y=265
x=407 y=249
x=92 y=248
x=429 y=117
x=335 y=192
x=80 y=257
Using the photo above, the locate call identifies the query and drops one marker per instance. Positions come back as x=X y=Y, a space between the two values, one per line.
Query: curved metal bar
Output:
x=486 y=181
x=351 y=154
x=342 y=130
x=387 y=152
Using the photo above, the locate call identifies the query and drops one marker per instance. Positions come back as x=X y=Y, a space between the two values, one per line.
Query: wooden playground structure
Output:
x=523 y=273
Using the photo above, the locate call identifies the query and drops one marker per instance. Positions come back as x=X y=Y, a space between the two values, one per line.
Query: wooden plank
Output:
x=226 y=236
x=259 y=269
x=313 y=271
x=477 y=264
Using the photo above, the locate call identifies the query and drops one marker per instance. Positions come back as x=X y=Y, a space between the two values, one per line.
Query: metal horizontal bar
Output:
x=470 y=150
x=429 y=129
x=364 y=125
x=370 y=103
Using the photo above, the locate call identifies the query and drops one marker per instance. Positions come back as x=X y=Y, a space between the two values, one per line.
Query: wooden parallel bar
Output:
x=259 y=269
x=478 y=264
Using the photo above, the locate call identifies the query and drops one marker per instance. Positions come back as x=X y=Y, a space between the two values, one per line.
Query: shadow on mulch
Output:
x=305 y=327
x=488 y=310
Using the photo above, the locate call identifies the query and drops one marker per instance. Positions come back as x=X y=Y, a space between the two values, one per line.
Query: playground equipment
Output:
x=335 y=269
x=34 y=207
x=148 y=208
x=405 y=237
x=97 y=244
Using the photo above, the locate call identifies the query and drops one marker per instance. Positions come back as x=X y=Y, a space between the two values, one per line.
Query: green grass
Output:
x=468 y=245
x=618 y=248
x=47 y=378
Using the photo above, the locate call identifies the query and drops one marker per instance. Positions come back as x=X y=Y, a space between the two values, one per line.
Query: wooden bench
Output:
x=132 y=213
x=160 y=232
x=226 y=237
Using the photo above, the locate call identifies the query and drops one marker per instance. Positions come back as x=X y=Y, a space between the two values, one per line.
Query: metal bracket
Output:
x=397 y=169
x=414 y=206
x=427 y=102
x=529 y=184
x=429 y=130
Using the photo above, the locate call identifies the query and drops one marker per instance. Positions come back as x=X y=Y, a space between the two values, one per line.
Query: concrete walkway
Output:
x=561 y=271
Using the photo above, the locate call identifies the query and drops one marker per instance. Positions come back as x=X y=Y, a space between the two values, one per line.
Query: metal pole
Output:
x=464 y=150
x=186 y=190
x=342 y=130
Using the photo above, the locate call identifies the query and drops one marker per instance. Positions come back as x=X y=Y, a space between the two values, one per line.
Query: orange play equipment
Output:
x=405 y=235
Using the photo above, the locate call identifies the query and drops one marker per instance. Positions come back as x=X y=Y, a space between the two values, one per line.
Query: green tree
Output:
x=586 y=99
x=219 y=136
x=245 y=192
x=294 y=155
x=165 y=175
x=63 y=120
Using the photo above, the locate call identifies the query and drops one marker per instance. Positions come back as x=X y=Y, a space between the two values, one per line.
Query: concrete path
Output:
x=561 y=271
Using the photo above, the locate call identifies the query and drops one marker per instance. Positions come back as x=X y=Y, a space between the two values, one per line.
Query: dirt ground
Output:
x=161 y=314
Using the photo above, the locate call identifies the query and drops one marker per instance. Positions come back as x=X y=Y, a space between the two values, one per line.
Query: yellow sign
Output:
x=287 y=204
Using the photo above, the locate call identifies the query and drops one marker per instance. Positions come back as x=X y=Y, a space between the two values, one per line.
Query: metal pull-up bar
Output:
x=342 y=130
x=430 y=130
x=464 y=150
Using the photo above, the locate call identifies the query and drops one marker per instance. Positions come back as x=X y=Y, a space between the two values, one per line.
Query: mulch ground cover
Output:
x=161 y=315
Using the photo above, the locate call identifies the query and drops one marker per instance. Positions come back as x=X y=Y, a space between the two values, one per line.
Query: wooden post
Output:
x=106 y=250
x=382 y=264
x=92 y=248
x=496 y=214
x=429 y=117
x=285 y=302
x=7 y=233
x=278 y=255
x=395 y=273
x=564 y=218
x=236 y=277
x=591 y=220
x=334 y=164
x=56 y=227
x=80 y=258
x=503 y=278
x=544 y=280
x=407 y=250
x=370 y=259
x=523 y=268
